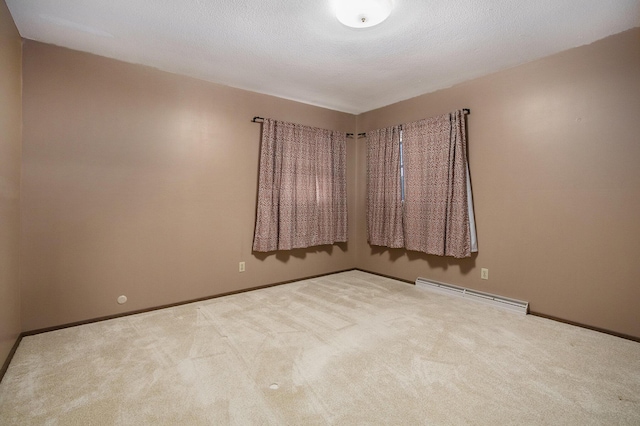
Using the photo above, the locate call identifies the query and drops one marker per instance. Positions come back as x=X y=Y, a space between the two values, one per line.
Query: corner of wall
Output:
x=10 y=167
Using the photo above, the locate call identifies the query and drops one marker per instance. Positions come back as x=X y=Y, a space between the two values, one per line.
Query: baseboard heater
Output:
x=487 y=298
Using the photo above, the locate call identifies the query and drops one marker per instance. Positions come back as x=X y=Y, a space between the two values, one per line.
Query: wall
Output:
x=10 y=141
x=554 y=155
x=143 y=183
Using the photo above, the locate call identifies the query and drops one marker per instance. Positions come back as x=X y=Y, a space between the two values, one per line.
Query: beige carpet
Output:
x=349 y=348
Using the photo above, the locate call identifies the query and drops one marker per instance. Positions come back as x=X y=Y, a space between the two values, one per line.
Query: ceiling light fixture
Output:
x=362 y=13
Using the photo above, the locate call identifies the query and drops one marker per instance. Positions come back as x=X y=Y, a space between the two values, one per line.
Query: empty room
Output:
x=319 y=212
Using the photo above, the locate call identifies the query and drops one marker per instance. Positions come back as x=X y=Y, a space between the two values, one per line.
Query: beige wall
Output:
x=143 y=183
x=554 y=150
x=10 y=141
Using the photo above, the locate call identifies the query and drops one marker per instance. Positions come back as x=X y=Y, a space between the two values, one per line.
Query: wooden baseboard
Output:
x=384 y=275
x=538 y=314
x=588 y=327
x=7 y=361
x=5 y=366
x=171 y=305
x=12 y=352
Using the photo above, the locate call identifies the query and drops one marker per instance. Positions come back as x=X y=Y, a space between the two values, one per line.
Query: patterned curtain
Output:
x=436 y=215
x=384 y=198
x=302 y=197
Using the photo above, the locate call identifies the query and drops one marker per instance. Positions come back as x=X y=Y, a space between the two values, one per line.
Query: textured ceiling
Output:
x=297 y=49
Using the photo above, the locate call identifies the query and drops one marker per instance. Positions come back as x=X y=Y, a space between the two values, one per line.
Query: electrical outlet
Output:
x=484 y=273
x=241 y=267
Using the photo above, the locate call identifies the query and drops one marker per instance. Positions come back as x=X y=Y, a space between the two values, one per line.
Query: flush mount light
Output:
x=362 y=13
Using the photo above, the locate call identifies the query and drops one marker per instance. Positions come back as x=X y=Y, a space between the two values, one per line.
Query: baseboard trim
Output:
x=538 y=314
x=588 y=327
x=7 y=361
x=5 y=366
x=385 y=276
x=171 y=305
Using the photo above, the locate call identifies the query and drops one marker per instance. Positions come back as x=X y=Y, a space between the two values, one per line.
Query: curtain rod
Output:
x=364 y=135
x=257 y=119
x=360 y=135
